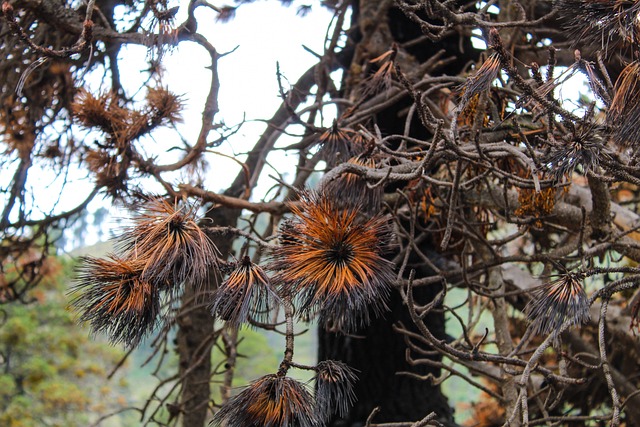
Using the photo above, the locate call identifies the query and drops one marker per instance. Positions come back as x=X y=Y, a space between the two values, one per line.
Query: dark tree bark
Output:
x=196 y=338
x=387 y=380
x=378 y=354
x=194 y=347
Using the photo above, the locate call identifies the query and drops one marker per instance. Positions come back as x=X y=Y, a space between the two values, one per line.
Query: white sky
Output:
x=262 y=34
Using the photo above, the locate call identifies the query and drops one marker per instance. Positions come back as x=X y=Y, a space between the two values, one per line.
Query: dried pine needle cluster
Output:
x=613 y=26
x=164 y=250
x=329 y=262
x=553 y=304
x=279 y=401
x=480 y=82
x=332 y=260
x=334 y=388
x=111 y=160
x=121 y=124
x=353 y=190
x=583 y=148
x=115 y=299
x=624 y=113
x=245 y=296
x=274 y=401
x=603 y=23
x=171 y=245
x=338 y=144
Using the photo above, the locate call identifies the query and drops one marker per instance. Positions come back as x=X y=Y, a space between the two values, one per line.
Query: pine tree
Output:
x=470 y=221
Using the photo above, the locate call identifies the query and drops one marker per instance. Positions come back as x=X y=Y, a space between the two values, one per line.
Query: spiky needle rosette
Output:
x=333 y=260
x=111 y=295
x=601 y=22
x=338 y=144
x=624 y=113
x=245 y=295
x=556 y=302
x=479 y=82
x=334 y=388
x=173 y=248
x=125 y=125
x=586 y=147
x=271 y=401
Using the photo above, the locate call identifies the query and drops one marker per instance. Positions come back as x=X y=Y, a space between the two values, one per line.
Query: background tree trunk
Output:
x=195 y=337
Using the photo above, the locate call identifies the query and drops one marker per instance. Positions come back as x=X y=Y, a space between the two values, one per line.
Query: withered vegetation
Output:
x=448 y=210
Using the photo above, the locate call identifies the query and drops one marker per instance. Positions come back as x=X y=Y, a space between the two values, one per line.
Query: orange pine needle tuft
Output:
x=123 y=125
x=112 y=296
x=164 y=106
x=168 y=241
x=332 y=259
x=245 y=295
x=382 y=79
x=271 y=401
x=624 y=113
x=480 y=82
x=99 y=112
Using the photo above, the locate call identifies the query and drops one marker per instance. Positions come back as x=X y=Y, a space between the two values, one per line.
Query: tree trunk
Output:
x=378 y=352
x=195 y=336
x=194 y=348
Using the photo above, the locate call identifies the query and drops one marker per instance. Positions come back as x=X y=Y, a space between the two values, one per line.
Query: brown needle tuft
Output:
x=271 y=401
x=332 y=258
x=168 y=241
x=245 y=295
x=112 y=296
x=557 y=302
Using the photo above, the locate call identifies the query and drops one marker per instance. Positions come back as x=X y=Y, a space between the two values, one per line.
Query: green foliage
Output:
x=257 y=358
x=53 y=373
